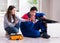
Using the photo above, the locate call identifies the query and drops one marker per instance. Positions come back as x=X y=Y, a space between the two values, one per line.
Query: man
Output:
x=33 y=24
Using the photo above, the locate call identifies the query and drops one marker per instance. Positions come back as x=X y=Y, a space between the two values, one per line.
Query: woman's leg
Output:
x=14 y=29
x=10 y=30
x=17 y=25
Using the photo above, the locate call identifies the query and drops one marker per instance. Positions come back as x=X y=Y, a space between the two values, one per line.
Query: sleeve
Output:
x=20 y=19
x=17 y=17
x=25 y=16
x=8 y=23
x=39 y=15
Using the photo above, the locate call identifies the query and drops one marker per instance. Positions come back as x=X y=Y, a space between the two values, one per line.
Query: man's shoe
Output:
x=45 y=35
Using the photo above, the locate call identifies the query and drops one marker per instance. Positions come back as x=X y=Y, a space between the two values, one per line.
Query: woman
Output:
x=11 y=22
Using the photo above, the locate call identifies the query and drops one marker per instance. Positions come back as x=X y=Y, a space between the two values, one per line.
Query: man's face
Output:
x=33 y=12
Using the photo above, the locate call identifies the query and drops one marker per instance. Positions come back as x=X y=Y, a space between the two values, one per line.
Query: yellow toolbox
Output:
x=16 y=37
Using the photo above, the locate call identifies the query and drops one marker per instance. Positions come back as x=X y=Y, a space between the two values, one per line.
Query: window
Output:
x=34 y=3
x=5 y=3
x=15 y=3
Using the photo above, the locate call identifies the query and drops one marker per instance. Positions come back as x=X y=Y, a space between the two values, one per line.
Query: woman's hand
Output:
x=16 y=21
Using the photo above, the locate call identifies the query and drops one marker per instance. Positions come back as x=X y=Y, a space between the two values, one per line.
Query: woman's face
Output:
x=13 y=11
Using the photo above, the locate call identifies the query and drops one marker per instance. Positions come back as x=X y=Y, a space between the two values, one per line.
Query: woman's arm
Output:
x=22 y=19
x=7 y=22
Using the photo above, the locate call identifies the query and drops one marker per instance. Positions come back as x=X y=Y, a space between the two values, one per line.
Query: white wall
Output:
x=51 y=8
x=46 y=7
x=56 y=10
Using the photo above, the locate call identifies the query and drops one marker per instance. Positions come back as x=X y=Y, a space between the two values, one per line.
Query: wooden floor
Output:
x=3 y=39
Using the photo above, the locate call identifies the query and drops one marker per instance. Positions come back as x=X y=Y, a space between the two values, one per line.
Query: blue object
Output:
x=28 y=30
x=39 y=15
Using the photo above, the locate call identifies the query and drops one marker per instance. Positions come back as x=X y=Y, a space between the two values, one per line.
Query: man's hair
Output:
x=33 y=8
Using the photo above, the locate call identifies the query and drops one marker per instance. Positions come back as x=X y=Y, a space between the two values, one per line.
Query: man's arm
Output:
x=25 y=17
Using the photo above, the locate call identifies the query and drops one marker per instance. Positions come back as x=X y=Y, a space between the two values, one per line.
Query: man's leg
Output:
x=27 y=29
x=39 y=25
x=43 y=27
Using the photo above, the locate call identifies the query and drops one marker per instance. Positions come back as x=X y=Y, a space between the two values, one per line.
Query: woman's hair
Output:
x=9 y=13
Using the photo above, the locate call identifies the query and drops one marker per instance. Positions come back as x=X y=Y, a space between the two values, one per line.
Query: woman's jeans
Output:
x=14 y=29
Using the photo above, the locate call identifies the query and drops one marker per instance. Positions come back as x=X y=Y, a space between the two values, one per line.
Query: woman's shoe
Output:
x=7 y=35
